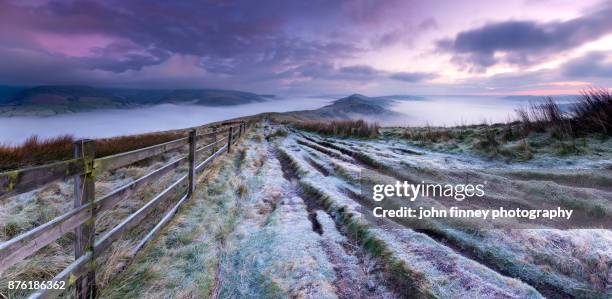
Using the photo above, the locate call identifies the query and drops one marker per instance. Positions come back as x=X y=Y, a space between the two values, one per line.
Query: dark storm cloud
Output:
x=593 y=64
x=128 y=61
x=263 y=46
x=412 y=77
x=361 y=73
x=359 y=70
x=195 y=27
x=525 y=42
x=238 y=37
x=32 y=67
x=328 y=71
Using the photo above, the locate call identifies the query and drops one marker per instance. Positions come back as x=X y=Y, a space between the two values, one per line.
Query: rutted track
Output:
x=358 y=275
x=282 y=219
x=422 y=283
x=554 y=286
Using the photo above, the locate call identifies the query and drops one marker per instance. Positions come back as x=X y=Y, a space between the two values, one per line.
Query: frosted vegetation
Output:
x=281 y=217
x=26 y=211
x=115 y=122
x=295 y=230
x=253 y=233
x=571 y=263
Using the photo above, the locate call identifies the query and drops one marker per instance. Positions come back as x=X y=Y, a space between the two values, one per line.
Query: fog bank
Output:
x=453 y=110
x=108 y=123
x=435 y=111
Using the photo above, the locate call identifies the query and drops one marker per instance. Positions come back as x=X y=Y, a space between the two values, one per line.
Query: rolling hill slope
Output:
x=56 y=99
x=355 y=106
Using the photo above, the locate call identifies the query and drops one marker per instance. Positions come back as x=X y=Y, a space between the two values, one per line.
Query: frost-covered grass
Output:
x=183 y=260
x=281 y=217
x=542 y=129
x=424 y=266
x=447 y=272
x=245 y=235
x=284 y=249
x=573 y=263
x=498 y=142
x=547 y=188
x=23 y=212
x=278 y=259
x=274 y=252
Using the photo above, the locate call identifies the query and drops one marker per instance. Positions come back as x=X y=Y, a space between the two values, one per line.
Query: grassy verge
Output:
x=543 y=127
x=183 y=260
x=539 y=257
x=24 y=212
x=341 y=128
x=36 y=151
x=504 y=141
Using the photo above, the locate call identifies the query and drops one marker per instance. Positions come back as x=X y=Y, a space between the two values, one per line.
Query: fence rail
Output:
x=81 y=219
x=24 y=180
x=127 y=158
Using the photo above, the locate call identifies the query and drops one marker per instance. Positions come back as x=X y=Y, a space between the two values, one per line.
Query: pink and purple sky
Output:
x=311 y=47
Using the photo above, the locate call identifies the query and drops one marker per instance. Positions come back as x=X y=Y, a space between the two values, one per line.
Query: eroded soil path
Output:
x=357 y=274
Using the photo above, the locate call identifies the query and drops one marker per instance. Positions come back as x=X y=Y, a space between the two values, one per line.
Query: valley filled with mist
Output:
x=102 y=123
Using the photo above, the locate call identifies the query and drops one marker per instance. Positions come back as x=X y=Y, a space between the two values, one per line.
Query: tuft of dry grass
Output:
x=242 y=190
x=110 y=146
x=542 y=127
x=278 y=133
x=591 y=114
x=341 y=128
x=428 y=134
x=593 y=111
x=37 y=151
x=543 y=116
x=41 y=267
x=117 y=260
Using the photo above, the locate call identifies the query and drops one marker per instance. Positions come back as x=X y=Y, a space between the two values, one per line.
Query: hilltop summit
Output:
x=350 y=107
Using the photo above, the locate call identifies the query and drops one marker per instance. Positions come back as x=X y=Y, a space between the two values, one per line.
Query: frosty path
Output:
x=280 y=218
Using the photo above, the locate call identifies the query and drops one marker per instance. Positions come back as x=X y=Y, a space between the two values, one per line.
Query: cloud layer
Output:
x=290 y=46
x=525 y=42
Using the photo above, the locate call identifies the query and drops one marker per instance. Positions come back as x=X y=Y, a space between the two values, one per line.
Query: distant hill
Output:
x=8 y=92
x=60 y=95
x=204 y=97
x=351 y=107
x=211 y=97
x=50 y=100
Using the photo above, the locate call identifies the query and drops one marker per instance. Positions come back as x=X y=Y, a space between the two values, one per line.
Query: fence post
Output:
x=192 y=161
x=240 y=132
x=84 y=193
x=229 y=139
x=214 y=140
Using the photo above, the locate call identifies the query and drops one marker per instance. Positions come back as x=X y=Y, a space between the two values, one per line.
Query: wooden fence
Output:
x=81 y=219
